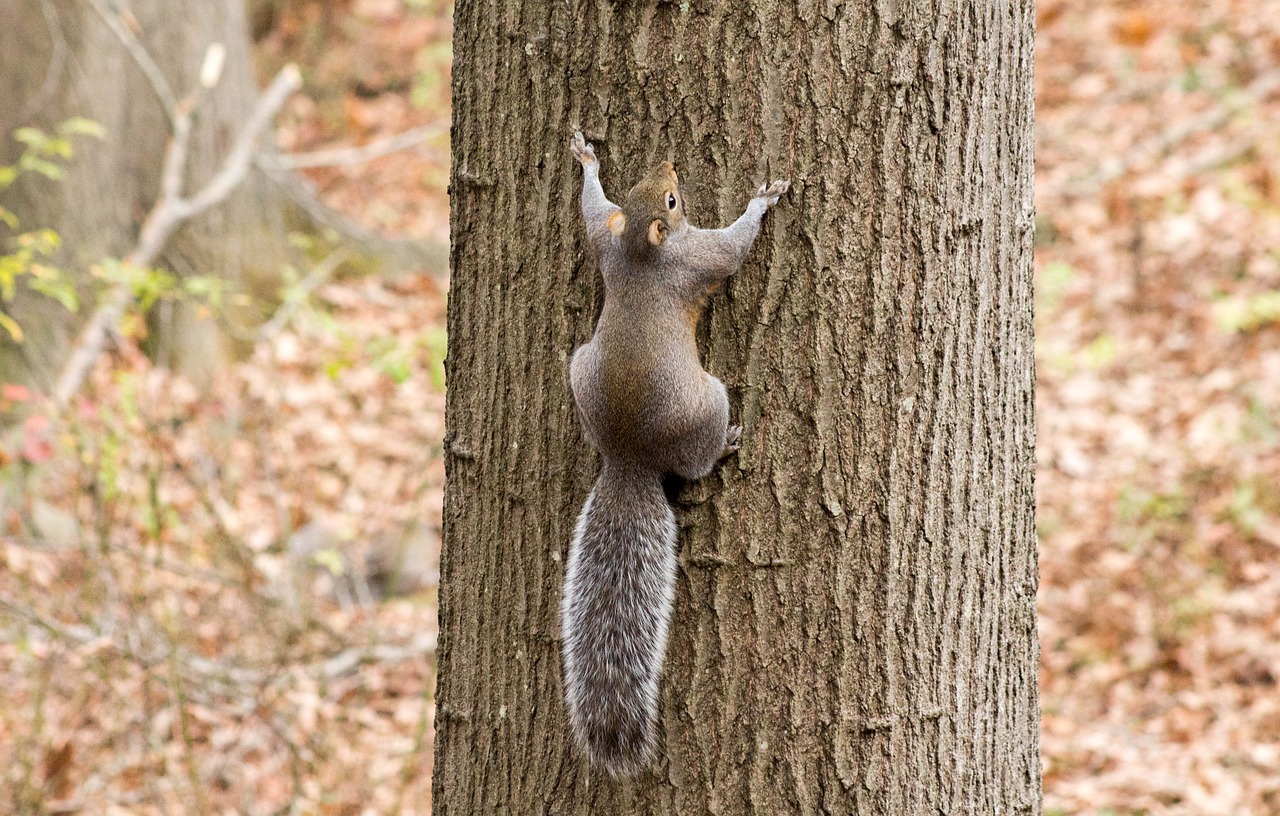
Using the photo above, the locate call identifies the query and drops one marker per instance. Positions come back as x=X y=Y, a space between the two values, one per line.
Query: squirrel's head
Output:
x=651 y=211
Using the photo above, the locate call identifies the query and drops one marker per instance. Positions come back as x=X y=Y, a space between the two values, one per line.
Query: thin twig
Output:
x=79 y=635
x=337 y=156
x=297 y=295
x=403 y=255
x=179 y=568
x=328 y=668
x=31 y=749
x=423 y=644
x=140 y=56
x=184 y=731
x=57 y=61
x=1218 y=158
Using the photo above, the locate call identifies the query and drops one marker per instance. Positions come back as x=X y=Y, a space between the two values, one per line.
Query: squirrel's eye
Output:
x=671 y=201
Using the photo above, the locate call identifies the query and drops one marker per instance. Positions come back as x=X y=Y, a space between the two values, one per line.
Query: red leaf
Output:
x=16 y=393
x=35 y=446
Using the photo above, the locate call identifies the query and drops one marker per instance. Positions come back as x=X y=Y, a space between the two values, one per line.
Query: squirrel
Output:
x=649 y=408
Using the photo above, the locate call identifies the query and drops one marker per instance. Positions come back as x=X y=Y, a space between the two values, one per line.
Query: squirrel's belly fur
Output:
x=616 y=607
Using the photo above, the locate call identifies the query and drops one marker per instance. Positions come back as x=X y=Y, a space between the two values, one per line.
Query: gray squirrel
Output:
x=649 y=408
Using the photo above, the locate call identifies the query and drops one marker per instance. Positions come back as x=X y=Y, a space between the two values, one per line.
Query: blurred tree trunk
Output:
x=58 y=60
x=854 y=627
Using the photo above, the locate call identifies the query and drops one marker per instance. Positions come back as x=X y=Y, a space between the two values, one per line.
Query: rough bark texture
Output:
x=854 y=629
x=57 y=60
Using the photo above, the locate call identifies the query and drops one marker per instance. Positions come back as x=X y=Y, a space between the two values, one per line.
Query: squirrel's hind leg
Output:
x=584 y=372
x=711 y=439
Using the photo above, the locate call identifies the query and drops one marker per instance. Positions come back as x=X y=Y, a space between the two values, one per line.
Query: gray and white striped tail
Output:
x=618 y=593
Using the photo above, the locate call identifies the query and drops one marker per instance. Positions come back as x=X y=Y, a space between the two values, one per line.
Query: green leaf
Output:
x=47 y=241
x=11 y=326
x=433 y=61
x=335 y=366
x=397 y=368
x=11 y=266
x=113 y=271
x=330 y=559
x=40 y=242
x=8 y=219
x=207 y=288
x=1101 y=352
x=45 y=168
x=437 y=341
x=55 y=286
x=301 y=241
x=7 y=176
x=149 y=285
x=57 y=146
x=31 y=137
x=1246 y=314
x=79 y=126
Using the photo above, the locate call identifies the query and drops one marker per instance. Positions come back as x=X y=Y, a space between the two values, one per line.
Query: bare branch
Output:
x=403 y=255
x=57 y=61
x=298 y=295
x=355 y=155
x=175 y=157
x=140 y=55
x=170 y=212
x=90 y=344
x=241 y=156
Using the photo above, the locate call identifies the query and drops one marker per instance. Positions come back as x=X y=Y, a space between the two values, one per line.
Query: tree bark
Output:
x=854 y=626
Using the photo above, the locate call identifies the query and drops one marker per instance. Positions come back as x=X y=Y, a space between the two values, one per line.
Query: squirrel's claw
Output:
x=581 y=148
x=773 y=191
x=732 y=440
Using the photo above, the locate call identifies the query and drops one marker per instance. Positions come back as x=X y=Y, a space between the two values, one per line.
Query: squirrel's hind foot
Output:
x=732 y=437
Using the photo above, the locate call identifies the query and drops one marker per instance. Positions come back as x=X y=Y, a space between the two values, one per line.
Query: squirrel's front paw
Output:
x=582 y=149
x=772 y=192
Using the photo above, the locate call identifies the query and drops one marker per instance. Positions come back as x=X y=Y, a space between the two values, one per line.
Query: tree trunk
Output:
x=854 y=625
x=58 y=60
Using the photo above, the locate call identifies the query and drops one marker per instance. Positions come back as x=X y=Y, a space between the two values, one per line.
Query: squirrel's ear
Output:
x=657 y=232
x=616 y=222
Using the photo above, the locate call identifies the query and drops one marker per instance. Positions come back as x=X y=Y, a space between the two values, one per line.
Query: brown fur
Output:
x=649 y=408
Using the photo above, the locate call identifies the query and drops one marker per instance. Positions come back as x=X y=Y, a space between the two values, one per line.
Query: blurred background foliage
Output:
x=1158 y=348
x=219 y=595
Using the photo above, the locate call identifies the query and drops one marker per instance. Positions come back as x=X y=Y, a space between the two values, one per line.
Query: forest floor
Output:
x=1158 y=351
x=1158 y=348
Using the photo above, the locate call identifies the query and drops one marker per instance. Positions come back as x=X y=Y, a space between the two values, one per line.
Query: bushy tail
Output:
x=618 y=592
